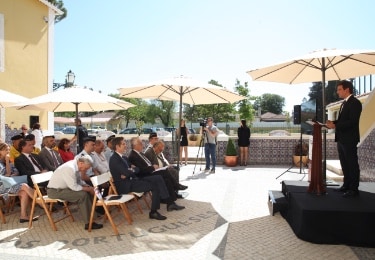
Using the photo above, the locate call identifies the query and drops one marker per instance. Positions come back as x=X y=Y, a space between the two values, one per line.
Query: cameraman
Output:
x=210 y=136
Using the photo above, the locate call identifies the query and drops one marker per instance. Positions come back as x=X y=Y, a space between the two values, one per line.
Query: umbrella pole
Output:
x=324 y=164
x=179 y=126
x=77 y=139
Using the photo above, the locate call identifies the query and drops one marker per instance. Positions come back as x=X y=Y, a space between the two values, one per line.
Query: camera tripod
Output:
x=301 y=167
x=201 y=145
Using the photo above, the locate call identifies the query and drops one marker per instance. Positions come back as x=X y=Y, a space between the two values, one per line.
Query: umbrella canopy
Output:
x=335 y=64
x=71 y=99
x=184 y=90
x=8 y=99
x=320 y=65
x=74 y=99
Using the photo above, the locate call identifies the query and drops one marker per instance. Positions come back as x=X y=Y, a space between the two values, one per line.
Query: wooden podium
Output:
x=316 y=183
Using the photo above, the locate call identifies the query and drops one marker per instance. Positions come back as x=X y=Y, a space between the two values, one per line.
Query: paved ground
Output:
x=226 y=217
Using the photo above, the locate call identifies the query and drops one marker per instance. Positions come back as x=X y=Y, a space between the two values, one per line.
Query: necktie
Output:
x=55 y=161
x=164 y=160
x=125 y=161
x=341 y=107
x=145 y=159
x=36 y=163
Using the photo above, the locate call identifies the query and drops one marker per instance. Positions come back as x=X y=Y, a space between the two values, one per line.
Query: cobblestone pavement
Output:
x=226 y=217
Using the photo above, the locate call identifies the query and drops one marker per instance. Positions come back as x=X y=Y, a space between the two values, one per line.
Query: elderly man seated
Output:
x=66 y=184
x=146 y=168
x=155 y=155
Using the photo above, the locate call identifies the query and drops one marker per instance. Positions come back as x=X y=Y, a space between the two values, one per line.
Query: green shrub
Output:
x=231 y=149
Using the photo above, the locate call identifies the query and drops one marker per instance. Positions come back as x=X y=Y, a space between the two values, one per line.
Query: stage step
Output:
x=276 y=201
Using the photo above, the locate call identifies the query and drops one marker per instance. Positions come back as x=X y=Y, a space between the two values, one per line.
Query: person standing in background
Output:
x=210 y=132
x=182 y=134
x=81 y=131
x=37 y=132
x=243 y=134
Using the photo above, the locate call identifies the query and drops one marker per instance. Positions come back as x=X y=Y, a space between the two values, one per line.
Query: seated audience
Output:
x=28 y=163
x=155 y=155
x=109 y=149
x=88 y=149
x=50 y=157
x=64 y=150
x=126 y=180
x=14 y=153
x=11 y=185
x=99 y=157
x=37 y=132
x=146 y=168
x=66 y=184
x=31 y=138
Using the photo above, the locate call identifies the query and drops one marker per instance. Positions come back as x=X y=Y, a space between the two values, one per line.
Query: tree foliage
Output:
x=330 y=92
x=269 y=103
x=219 y=112
x=245 y=110
x=161 y=109
x=60 y=5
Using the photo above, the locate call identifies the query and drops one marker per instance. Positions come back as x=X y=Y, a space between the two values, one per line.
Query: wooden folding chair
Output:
x=3 y=205
x=108 y=201
x=137 y=195
x=43 y=200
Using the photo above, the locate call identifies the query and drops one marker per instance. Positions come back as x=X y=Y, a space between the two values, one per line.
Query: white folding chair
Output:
x=108 y=201
x=43 y=200
x=137 y=195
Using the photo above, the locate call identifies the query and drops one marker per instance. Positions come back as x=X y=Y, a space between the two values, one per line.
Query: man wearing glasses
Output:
x=210 y=138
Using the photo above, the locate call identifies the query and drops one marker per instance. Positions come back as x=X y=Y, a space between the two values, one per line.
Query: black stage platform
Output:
x=330 y=218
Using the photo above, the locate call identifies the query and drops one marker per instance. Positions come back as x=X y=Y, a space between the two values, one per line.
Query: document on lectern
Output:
x=312 y=122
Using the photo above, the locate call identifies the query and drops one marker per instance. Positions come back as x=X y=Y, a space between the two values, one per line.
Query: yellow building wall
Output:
x=25 y=55
x=367 y=120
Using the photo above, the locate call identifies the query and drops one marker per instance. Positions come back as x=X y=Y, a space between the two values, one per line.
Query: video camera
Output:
x=202 y=122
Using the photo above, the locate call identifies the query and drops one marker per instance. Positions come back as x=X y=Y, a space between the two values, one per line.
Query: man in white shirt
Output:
x=88 y=149
x=66 y=184
x=99 y=157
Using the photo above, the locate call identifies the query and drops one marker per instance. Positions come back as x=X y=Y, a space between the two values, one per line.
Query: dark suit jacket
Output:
x=25 y=167
x=347 y=124
x=151 y=155
x=47 y=159
x=120 y=166
x=137 y=160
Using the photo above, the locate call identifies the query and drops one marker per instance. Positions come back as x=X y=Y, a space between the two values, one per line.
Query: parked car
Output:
x=69 y=130
x=170 y=129
x=192 y=131
x=129 y=131
x=135 y=131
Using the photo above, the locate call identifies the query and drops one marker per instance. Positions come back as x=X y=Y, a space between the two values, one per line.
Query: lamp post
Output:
x=69 y=81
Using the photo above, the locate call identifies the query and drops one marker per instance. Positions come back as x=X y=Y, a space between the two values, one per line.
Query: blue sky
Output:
x=117 y=43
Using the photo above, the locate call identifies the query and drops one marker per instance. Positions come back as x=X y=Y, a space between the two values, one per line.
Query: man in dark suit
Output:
x=49 y=156
x=125 y=179
x=146 y=168
x=347 y=137
x=28 y=163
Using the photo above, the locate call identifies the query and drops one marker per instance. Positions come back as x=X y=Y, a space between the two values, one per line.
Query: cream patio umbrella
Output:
x=74 y=99
x=7 y=99
x=183 y=90
x=323 y=65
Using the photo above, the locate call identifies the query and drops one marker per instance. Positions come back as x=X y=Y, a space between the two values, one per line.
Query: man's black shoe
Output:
x=174 y=206
x=341 y=189
x=182 y=187
x=156 y=215
x=94 y=226
x=351 y=194
x=26 y=220
x=179 y=196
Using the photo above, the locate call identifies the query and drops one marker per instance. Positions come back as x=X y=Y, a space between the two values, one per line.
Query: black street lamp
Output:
x=69 y=81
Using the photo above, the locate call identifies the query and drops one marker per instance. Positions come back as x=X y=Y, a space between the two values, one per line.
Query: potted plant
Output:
x=301 y=153
x=230 y=158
